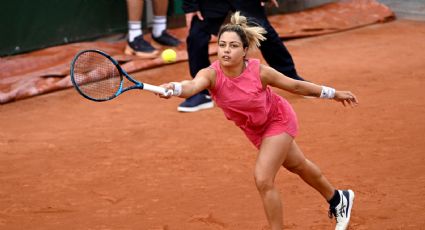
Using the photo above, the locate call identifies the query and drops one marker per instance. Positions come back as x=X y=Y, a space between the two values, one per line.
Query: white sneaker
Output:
x=342 y=211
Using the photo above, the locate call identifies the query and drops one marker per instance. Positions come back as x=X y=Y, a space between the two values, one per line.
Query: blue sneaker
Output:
x=141 y=48
x=166 y=39
x=195 y=103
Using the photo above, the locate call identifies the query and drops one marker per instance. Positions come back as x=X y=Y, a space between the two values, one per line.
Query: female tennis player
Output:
x=241 y=88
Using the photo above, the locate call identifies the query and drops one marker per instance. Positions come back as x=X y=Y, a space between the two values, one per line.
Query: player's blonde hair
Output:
x=250 y=35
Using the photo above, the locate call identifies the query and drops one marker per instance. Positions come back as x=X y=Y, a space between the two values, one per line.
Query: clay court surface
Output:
x=136 y=163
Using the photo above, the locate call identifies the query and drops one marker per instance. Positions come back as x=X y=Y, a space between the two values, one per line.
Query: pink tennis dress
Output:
x=258 y=112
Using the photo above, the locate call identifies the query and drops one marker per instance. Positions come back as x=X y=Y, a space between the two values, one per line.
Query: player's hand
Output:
x=167 y=87
x=346 y=98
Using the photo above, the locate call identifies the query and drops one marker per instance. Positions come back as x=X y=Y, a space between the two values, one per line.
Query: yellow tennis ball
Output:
x=169 y=55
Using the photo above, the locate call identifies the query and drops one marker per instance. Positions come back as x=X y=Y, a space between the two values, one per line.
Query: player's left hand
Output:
x=346 y=98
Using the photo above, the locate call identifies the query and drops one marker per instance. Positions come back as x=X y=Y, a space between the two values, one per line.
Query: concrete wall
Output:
x=410 y=9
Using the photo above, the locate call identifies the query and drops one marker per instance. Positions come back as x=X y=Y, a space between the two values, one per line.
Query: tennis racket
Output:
x=99 y=77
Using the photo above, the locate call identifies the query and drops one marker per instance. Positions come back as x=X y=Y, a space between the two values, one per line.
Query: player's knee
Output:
x=263 y=183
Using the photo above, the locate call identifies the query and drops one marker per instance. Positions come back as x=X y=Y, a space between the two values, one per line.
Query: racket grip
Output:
x=169 y=93
x=157 y=89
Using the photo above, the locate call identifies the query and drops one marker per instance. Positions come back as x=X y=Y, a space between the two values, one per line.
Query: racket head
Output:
x=96 y=75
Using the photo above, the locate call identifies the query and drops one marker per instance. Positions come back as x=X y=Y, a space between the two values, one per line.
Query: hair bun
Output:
x=250 y=35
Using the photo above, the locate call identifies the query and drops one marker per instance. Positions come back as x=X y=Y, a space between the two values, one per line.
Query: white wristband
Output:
x=327 y=92
x=177 y=89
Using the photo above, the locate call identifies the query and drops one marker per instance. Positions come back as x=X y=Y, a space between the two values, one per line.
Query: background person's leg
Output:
x=136 y=44
x=159 y=29
x=198 y=42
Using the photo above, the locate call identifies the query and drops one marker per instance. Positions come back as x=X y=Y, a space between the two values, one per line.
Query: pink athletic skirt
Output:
x=282 y=120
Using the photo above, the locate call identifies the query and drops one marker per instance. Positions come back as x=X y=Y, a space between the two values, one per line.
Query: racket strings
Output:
x=96 y=76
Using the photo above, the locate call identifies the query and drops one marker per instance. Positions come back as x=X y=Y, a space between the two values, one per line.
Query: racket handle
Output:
x=169 y=93
x=157 y=89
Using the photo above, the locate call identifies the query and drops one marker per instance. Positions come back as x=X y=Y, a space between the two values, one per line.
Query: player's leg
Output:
x=308 y=171
x=159 y=29
x=341 y=201
x=136 y=44
x=273 y=151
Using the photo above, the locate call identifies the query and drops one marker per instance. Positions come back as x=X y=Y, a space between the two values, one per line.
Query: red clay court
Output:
x=136 y=163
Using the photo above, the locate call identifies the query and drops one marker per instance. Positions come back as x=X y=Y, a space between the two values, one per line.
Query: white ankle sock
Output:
x=159 y=25
x=134 y=29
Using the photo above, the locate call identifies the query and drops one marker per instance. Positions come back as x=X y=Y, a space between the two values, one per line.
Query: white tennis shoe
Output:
x=342 y=212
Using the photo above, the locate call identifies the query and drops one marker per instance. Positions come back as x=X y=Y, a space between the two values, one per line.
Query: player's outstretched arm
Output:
x=270 y=76
x=188 y=88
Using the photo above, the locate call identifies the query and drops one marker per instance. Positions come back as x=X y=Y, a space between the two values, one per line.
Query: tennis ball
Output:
x=169 y=55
